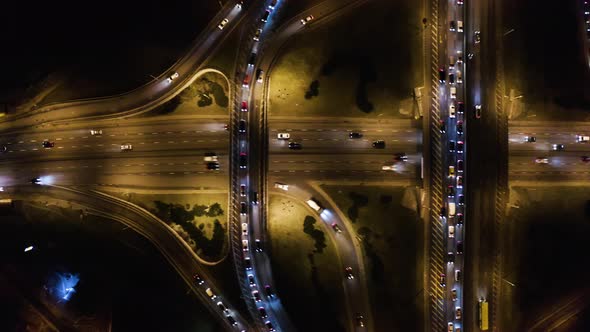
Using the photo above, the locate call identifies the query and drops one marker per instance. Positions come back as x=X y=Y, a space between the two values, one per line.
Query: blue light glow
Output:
x=62 y=285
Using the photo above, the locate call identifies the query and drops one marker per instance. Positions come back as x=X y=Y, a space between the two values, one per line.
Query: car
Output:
x=248 y=263
x=459 y=247
x=243 y=208
x=212 y=165
x=451 y=231
x=461 y=199
x=388 y=168
x=454 y=294
x=262 y=312
x=442 y=280
x=458 y=313
x=245 y=245
x=252 y=59
x=360 y=320
x=256 y=296
x=242 y=190
x=451 y=191
x=171 y=78
x=294 y=146
x=453 y=26
x=542 y=160
x=585 y=159
x=254 y=197
x=582 y=139
x=450 y=258
x=459 y=77
x=354 y=134
x=243 y=160
x=244 y=229
x=477 y=111
x=459 y=2
x=283 y=136
x=272 y=4
x=259 y=75
x=451 y=78
x=451 y=146
x=460 y=165
x=239 y=4
x=47 y=144
x=457 y=275
x=459 y=181
x=3 y=148
x=223 y=23
x=451 y=328
x=530 y=139
x=269 y=326
x=348 y=272
x=460 y=146
x=264 y=17
x=222 y=307
x=459 y=127
x=197 y=279
x=244 y=106
x=258 y=245
x=451 y=62
x=246 y=81
x=453 y=92
x=459 y=57
x=126 y=147
x=400 y=156
x=36 y=181
x=451 y=171
x=210 y=293
x=231 y=320
x=257 y=35
x=251 y=281
x=460 y=218
x=282 y=186
x=336 y=228
x=268 y=291
x=442 y=212
x=306 y=20
x=460 y=107
x=477 y=36
x=380 y=144
x=459 y=26
x=452 y=110
x=442 y=75
x=442 y=127
x=210 y=156
x=558 y=147
x=95 y=132
x=242 y=126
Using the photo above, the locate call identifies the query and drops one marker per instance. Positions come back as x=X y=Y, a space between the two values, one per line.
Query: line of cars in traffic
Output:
x=580 y=138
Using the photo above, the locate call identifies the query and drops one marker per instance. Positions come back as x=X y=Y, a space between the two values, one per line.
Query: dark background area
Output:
x=118 y=270
x=103 y=47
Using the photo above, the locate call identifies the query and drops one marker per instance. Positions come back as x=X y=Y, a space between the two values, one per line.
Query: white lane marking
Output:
x=86 y=146
x=127 y=165
x=112 y=135
x=23 y=150
x=100 y=144
x=170 y=141
x=84 y=136
x=60 y=147
x=154 y=133
x=35 y=149
x=184 y=141
x=33 y=140
x=20 y=142
x=156 y=142
x=72 y=137
x=58 y=139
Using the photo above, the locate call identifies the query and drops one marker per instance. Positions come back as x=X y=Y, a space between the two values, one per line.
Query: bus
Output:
x=314 y=205
x=483 y=314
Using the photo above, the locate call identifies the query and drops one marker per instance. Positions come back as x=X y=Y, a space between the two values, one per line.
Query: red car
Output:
x=585 y=159
x=244 y=106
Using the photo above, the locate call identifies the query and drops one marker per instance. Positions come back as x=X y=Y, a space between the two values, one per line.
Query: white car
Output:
x=452 y=111
x=282 y=186
x=542 y=160
x=582 y=139
x=453 y=92
x=459 y=26
x=451 y=231
x=459 y=77
x=283 y=135
x=245 y=229
x=172 y=77
x=245 y=245
x=126 y=147
x=95 y=132
x=223 y=23
x=388 y=168
x=306 y=20
x=257 y=35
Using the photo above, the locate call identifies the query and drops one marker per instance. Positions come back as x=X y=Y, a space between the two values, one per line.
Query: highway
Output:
x=143 y=98
x=171 y=245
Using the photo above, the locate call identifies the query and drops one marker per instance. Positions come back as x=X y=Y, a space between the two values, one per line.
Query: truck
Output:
x=451 y=209
x=482 y=314
x=314 y=205
x=210 y=157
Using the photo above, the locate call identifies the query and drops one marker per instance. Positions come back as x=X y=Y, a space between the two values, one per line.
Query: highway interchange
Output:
x=164 y=149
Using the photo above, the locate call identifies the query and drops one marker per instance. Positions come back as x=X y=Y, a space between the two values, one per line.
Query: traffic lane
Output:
x=341 y=138
x=337 y=124
x=340 y=163
x=140 y=146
